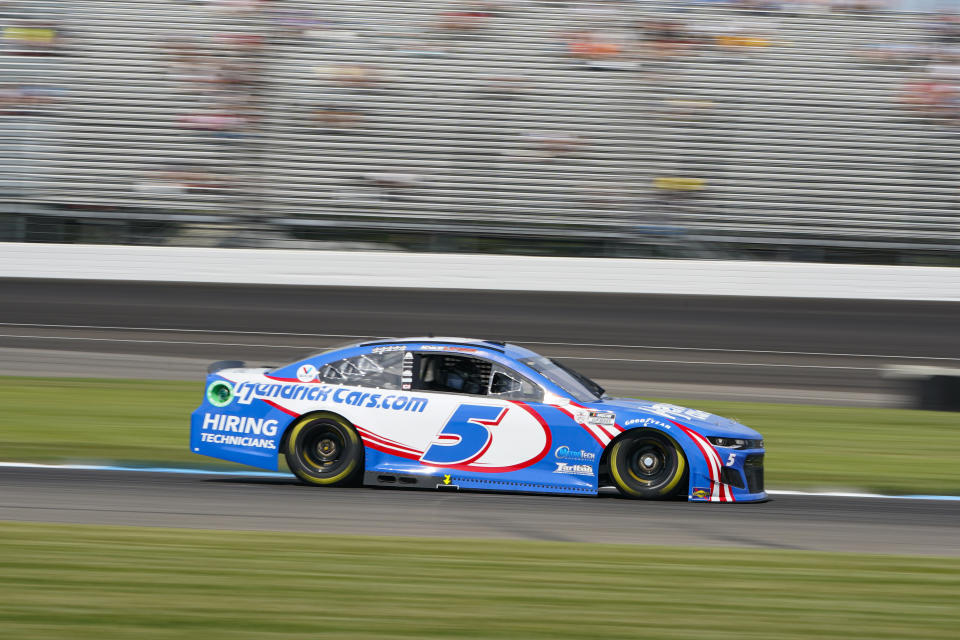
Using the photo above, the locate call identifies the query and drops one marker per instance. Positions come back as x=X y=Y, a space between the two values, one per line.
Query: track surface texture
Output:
x=658 y=345
x=676 y=345
x=275 y=504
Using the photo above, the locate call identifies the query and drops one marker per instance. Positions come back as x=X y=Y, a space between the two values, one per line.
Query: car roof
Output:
x=501 y=352
x=473 y=342
x=511 y=350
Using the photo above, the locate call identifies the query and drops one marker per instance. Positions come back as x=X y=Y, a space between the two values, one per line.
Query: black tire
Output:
x=325 y=450
x=648 y=465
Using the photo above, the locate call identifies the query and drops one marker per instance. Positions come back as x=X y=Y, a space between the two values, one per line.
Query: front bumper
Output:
x=741 y=478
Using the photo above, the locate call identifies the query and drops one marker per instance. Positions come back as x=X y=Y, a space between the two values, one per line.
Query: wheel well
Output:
x=310 y=414
x=604 y=466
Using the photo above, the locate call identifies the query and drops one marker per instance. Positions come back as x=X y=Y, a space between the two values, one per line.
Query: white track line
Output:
x=139 y=341
x=256 y=333
x=725 y=364
x=757 y=351
x=289 y=346
x=851 y=494
x=276 y=474
x=549 y=344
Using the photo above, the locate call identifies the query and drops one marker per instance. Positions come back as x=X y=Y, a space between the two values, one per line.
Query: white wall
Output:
x=470 y=271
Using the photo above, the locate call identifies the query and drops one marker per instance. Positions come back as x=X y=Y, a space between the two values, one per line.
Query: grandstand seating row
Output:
x=615 y=118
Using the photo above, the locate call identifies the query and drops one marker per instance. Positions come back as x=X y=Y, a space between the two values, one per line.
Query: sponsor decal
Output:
x=700 y=493
x=240 y=424
x=446 y=479
x=307 y=373
x=218 y=427
x=566 y=453
x=395 y=347
x=646 y=422
x=220 y=393
x=575 y=469
x=240 y=441
x=247 y=392
x=598 y=418
x=673 y=411
x=406 y=376
x=439 y=347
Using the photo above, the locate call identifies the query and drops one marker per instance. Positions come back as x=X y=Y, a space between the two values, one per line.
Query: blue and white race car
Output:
x=468 y=414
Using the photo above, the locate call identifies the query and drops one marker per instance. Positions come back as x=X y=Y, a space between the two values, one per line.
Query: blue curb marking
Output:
x=177 y=470
x=277 y=474
x=197 y=472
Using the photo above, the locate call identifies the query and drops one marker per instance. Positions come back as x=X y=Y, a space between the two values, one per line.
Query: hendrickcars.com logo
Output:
x=247 y=392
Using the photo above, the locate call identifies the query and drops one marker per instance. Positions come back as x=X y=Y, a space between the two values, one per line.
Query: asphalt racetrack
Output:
x=820 y=351
x=865 y=525
x=794 y=350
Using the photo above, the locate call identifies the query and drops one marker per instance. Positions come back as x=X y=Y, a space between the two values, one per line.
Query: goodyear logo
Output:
x=646 y=422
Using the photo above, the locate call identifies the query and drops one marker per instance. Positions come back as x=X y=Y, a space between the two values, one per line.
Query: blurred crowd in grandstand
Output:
x=935 y=91
x=600 y=119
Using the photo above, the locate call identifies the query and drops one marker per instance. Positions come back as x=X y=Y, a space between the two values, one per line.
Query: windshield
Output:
x=336 y=347
x=316 y=354
x=576 y=384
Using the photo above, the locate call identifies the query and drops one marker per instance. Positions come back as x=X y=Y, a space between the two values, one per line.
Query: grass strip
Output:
x=78 y=581
x=94 y=420
x=888 y=451
x=809 y=447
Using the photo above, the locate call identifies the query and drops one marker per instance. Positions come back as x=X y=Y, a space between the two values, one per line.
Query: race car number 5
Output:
x=731 y=459
x=466 y=436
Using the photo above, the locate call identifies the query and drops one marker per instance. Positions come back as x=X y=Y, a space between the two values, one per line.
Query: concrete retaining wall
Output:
x=471 y=271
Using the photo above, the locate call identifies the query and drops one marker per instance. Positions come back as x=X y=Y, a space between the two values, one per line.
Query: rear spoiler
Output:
x=225 y=364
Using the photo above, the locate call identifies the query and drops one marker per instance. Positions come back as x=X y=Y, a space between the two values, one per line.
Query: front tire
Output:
x=648 y=465
x=324 y=450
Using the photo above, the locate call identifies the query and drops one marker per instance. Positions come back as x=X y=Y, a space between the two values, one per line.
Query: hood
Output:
x=702 y=422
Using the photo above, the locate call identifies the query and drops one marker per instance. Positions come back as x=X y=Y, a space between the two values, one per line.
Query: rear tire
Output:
x=325 y=450
x=648 y=465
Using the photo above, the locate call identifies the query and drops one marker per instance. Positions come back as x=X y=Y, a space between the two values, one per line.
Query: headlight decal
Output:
x=735 y=443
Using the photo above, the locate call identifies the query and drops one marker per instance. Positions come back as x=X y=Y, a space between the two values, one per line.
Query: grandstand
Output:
x=618 y=126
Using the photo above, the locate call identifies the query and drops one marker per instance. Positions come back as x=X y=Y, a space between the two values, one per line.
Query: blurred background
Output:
x=821 y=130
x=400 y=132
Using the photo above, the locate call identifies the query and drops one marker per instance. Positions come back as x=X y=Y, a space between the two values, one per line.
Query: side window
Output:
x=377 y=370
x=510 y=385
x=453 y=374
